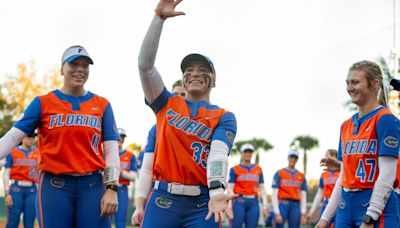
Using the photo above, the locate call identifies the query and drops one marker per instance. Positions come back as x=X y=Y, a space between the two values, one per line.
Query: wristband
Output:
x=111 y=174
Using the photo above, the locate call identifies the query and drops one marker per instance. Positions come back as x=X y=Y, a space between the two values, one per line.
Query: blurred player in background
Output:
x=77 y=141
x=193 y=139
x=21 y=169
x=368 y=149
x=146 y=178
x=128 y=174
x=247 y=181
x=289 y=196
x=326 y=183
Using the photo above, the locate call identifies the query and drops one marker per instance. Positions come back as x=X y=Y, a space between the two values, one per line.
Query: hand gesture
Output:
x=137 y=216
x=109 y=203
x=166 y=8
x=218 y=206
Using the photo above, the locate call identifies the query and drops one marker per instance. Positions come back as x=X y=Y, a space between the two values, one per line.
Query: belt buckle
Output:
x=175 y=188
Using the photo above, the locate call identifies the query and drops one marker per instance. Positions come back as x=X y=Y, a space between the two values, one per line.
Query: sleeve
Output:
x=304 y=186
x=160 y=101
x=261 y=180
x=139 y=160
x=132 y=166
x=275 y=201
x=152 y=83
x=109 y=129
x=276 y=181
x=321 y=182
x=151 y=141
x=339 y=155
x=30 y=119
x=332 y=206
x=388 y=133
x=226 y=129
x=317 y=200
x=232 y=176
x=8 y=161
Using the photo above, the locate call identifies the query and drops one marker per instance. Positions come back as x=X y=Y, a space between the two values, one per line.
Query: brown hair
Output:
x=177 y=83
x=331 y=153
x=373 y=72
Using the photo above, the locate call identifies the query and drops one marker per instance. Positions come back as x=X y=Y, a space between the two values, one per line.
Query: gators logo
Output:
x=163 y=202
x=391 y=142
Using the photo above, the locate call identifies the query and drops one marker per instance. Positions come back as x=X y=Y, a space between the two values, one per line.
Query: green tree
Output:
x=258 y=144
x=306 y=143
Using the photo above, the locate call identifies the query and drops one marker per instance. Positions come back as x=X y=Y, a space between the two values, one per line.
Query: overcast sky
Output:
x=281 y=65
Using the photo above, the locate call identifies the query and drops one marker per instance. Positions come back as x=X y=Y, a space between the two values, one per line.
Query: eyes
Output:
x=352 y=82
x=78 y=64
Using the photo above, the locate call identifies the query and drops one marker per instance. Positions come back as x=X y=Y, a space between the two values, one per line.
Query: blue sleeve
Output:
x=151 y=140
x=339 y=154
x=261 y=178
x=232 y=176
x=321 y=182
x=388 y=134
x=31 y=118
x=139 y=161
x=132 y=166
x=8 y=161
x=304 y=186
x=276 y=181
x=226 y=129
x=160 y=101
x=109 y=129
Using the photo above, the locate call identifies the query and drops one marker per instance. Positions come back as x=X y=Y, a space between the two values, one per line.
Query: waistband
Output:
x=248 y=196
x=397 y=190
x=21 y=183
x=82 y=174
x=352 y=189
x=180 y=189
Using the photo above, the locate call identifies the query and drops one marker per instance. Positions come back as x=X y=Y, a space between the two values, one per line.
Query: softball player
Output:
x=289 y=196
x=75 y=126
x=193 y=139
x=128 y=174
x=145 y=180
x=326 y=183
x=247 y=181
x=21 y=168
x=368 y=149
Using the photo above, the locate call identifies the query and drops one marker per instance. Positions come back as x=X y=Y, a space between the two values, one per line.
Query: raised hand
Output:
x=166 y=8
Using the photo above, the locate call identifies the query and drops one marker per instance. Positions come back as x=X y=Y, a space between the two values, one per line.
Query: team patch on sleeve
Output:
x=230 y=135
x=391 y=141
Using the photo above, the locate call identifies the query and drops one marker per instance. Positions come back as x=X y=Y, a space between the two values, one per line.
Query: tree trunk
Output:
x=257 y=158
x=305 y=162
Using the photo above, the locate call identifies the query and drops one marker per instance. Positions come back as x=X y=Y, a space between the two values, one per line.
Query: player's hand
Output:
x=309 y=216
x=265 y=213
x=109 y=203
x=322 y=223
x=137 y=216
x=229 y=212
x=167 y=8
x=8 y=200
x=278 y=219
x=364 y=225
x=303 y=220
x=332 y=163
x=218 y=205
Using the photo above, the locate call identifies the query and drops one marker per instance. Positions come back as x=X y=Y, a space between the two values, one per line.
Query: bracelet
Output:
x=158 y=13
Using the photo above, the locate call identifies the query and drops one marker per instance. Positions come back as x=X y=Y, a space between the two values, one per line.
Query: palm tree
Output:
x=306 y=143
x=257 y=144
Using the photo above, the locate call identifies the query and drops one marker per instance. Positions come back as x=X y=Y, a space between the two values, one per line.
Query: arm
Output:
x=10 y=140
x=383 y=186
x=263 y=194
x=275 y=201
x=112 y=169
x=6 y=180
x=317 y=201
x=331 y=208
x=129 y=175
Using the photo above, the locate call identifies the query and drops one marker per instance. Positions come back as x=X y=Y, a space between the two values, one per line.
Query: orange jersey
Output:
x=247 y=179
x=71 y=131
x=328 y=181
x=127 y=163
x=289 y=183
x=23 y=164
x=184 y=134
x=362 y=141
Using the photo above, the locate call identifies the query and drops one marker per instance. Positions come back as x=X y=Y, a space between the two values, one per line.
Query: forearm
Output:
x=139 y=202
x=383 y=186
x=303 y=202
x=336 y=195
x=275 y=201
x=217 y=165
x=6 y=179
x=317 y=201
x=130 y=175
x=146 y=176
x=263 y=194
x=112 y=163
x=10 y=140
x=151 y=80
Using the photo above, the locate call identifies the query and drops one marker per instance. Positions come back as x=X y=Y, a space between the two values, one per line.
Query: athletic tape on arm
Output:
x=10 y=140
x=383 y=186
x=112 y=169
x=275 y=201
x=146 y=176
x=336 y=195
x=217 y=164
x=303 y=202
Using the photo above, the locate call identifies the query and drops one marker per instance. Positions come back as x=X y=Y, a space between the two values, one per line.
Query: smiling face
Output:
x=198 y=79
x=76 y=73
x=361 y=90
x=247 y=155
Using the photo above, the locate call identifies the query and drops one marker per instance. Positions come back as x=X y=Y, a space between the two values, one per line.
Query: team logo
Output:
x=200 y=204
x=391 y=142
x=342 y=204
x=57 y=182
x=163 y=202
x=230 y=135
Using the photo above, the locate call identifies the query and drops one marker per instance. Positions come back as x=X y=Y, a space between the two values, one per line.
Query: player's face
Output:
x=247 y=155
x=76 y=73
x=28 y=141
x=198 y=79
x=121 y=141
x=292 y=160
x=359 y=89
x=179 y=90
